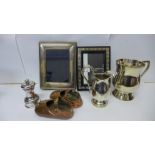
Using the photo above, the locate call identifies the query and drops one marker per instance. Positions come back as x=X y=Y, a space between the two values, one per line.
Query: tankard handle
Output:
x=82 y=73
x=147 y=65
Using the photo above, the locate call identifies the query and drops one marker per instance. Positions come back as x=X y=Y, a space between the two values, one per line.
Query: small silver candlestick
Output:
x=31 y=98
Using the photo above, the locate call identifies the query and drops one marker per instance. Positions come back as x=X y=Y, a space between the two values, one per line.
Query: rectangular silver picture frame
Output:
x=63 y=57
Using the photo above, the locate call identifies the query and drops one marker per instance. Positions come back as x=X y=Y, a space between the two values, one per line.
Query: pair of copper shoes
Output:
x=60 y=105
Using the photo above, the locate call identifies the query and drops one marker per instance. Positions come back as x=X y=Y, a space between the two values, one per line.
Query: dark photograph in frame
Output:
x=97 y=57
x=57 y=65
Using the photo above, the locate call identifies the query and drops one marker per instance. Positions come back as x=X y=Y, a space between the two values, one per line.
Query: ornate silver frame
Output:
x=71 y=46
x=95 y=49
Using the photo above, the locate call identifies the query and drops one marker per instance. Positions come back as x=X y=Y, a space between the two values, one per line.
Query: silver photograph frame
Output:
x=71 y=47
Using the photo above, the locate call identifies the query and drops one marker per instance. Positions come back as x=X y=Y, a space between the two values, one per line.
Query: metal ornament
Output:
x=31 y=98
x=100 y=88
x=128 y=77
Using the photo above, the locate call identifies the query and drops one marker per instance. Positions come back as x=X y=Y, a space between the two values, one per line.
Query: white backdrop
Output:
x=17 y=48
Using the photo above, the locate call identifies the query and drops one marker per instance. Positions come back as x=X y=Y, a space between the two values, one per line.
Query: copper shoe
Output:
x=54 y=109
x=71 y=97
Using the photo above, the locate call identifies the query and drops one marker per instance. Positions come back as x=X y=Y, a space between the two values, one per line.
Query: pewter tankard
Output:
x=127 y=78
x=99 y=86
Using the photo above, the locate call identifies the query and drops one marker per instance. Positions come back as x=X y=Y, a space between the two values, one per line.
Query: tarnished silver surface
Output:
x=127 y=78
x=31 y=98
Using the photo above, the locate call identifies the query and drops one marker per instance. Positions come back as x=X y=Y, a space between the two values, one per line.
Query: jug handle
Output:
x=147 y=65
x=82 y=73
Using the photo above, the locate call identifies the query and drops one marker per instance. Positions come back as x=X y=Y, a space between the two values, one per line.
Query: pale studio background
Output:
x=140 y=47
x=21 y=52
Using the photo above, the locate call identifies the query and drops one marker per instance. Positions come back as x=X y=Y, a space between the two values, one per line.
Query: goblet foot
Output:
x=123 y=96
x=99 y=104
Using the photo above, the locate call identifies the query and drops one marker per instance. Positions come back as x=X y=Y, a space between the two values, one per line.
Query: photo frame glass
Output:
x=57 y=65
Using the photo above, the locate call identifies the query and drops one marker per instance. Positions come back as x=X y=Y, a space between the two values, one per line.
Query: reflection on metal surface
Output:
x=99 y=103
x=130 y=81
x=101 y=88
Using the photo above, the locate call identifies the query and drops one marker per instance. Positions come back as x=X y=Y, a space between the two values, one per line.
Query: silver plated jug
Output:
x=128 y=77
x=99 y=86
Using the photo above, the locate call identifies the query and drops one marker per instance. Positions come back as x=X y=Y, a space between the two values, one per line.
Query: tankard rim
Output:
x=134 y=63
